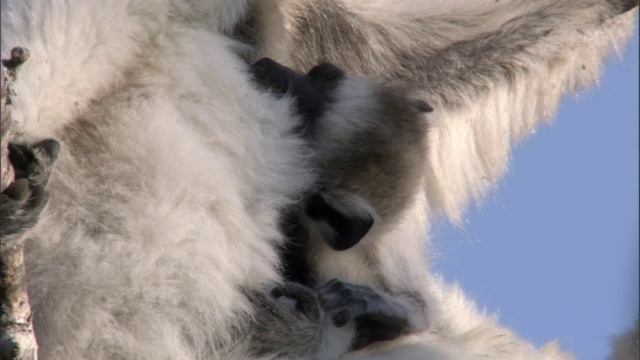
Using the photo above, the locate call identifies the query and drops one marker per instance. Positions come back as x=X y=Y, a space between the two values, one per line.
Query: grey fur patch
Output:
x=326 y=31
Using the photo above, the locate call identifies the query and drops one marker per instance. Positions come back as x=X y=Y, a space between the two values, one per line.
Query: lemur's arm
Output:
x=25 y=172
x=295 y=321
x=20 y=206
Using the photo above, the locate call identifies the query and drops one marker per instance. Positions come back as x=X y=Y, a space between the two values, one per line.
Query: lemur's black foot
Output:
x=23 y=200
x=377 y=317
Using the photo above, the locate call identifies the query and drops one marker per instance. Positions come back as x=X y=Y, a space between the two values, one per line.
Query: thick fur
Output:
x=174 y=167
x=152 y=230
x=369 y=146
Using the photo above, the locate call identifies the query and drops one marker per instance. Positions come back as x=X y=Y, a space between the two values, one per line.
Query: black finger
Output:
x=342 y=318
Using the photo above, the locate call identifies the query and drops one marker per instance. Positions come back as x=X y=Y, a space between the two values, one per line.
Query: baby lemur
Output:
x=368 y=143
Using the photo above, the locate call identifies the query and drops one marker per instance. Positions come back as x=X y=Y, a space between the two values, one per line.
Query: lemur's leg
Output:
x=25 y=173
x=20 y=206
x=378 y=317
x=290 y=323
x=9 y=70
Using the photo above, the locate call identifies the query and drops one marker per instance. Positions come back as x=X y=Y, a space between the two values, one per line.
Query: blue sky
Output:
x=554 y=250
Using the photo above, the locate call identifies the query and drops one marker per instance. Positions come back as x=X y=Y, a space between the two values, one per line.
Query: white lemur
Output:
x=369 y=151
x=174 y=167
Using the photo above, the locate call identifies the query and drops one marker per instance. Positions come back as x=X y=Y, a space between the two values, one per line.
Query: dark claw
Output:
x=341 y=319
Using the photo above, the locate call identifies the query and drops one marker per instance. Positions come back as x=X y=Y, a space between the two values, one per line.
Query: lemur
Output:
x=174 y=168
x=368 y=144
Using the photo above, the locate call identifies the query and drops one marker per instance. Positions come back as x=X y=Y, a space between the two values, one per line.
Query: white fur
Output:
x=167 y=191
x=174 y=167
